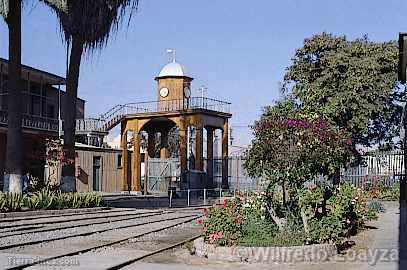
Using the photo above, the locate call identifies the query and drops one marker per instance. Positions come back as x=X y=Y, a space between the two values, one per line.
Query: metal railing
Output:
x=192 y=103
x=89 y=124
x=33 y=122
x=204 y=197
x=113 y=116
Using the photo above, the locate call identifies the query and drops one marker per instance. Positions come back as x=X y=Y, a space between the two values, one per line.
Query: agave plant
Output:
x=43 y=199
x=11 y=202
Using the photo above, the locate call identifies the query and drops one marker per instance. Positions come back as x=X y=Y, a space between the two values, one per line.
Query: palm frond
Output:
x=92 y=21
x=61 y=5
x=4 y=8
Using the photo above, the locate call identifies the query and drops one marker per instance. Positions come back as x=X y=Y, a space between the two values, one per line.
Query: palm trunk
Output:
x=14 y=153
x=68 y=171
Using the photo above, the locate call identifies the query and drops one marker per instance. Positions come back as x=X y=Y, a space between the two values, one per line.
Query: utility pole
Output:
x=402 y=78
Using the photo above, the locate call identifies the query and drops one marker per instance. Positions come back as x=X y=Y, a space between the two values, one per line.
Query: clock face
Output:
x=164 y=92
x=187 y=92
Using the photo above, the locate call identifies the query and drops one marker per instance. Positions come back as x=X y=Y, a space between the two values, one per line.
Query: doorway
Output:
x=97 y=174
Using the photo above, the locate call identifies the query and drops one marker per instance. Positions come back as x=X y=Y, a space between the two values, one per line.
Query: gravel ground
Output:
x=69 y=224
x=49 y=220
x=73 y=231
x=91 y=260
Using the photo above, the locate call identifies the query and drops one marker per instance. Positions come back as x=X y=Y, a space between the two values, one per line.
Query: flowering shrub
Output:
x=334 y=214
x=315 y=215
x=287 y=151
x=255 y=205
x=222 y=224
x=379 y=190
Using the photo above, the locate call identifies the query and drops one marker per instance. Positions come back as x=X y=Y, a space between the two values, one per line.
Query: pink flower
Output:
x=225 y=203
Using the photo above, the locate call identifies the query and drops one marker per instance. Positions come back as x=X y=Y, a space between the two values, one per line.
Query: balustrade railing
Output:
x=32 y=122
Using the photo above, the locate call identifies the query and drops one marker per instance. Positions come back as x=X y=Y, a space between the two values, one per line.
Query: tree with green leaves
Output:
x=10 y=10
x=86 y=27
x=352 y=84
x=290 y=148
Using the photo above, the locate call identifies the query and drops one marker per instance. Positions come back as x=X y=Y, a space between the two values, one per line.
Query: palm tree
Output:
x=11 y=12
x=86 y=27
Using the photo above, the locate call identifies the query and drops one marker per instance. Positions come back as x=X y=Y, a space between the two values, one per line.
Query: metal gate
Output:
x=162 y=173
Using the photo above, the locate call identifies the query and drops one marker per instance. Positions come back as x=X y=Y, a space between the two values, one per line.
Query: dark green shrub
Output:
x=376 y=206
x=11 y=202
x=43 y=199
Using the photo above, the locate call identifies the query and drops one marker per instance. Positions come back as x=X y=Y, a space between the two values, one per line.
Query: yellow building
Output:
x=174 y=108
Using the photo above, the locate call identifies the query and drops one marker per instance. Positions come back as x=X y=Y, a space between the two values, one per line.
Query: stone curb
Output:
x=51 y=212
x=294 y=254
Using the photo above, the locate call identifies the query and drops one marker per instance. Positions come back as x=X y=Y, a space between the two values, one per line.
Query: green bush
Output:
x=11 y=202
x=380 y=190
x=48 y=199
x=376 y=206
x=257 y=231
x=391 y=193
x=263 y=232
x=328 y=229
x=333 y=215
x=43 y=199
x=222 y=225
x=312 y=215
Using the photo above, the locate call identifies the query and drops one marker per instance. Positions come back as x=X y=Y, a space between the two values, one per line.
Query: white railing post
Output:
x=170 y=198
x=204 y=195
x=188 y=198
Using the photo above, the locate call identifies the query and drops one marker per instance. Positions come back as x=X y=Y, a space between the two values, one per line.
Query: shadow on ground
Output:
x=403 y=235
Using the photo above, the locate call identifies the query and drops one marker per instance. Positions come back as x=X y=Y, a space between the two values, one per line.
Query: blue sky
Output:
x=238 y=49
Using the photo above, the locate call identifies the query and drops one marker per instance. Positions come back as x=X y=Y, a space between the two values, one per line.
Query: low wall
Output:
x=310 y=253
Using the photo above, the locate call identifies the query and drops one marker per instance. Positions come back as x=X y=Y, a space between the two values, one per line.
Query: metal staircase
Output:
x=107 y=121
x=104 y=123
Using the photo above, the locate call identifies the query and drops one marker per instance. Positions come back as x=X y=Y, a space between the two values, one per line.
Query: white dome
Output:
x=172 y=69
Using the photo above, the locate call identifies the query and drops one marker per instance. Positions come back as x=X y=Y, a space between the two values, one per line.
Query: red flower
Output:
x=238 y=221
x=200 y=221
x=205 y=212
x=225 y=203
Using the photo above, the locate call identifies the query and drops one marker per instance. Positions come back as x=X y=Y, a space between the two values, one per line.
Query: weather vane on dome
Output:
x=173 y=52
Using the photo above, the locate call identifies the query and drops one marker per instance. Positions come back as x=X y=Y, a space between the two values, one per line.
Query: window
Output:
x=35 y=88
x=4 y=84
x=3 y=102
x=119 y=161
x=51 y=111
x=97 y=174
x=44 y=107
x=35 y=105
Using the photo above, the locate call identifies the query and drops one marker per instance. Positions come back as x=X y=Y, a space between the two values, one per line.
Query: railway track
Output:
x=159 y=248
x=149 y=227
x=76 y=223
x=62 y=218
x=14 y=245
x=108 y=221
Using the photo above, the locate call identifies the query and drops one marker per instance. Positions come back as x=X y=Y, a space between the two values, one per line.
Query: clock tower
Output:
x=173 y=83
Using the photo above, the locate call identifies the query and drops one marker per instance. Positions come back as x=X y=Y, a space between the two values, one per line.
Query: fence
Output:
x=199 y=197
x=238 y=178
x=384 y=167
x=160 y=172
